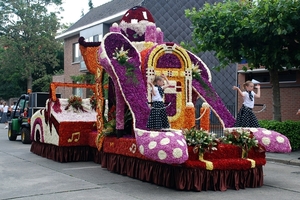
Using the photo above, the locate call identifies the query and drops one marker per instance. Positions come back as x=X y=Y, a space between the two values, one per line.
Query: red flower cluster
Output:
x=75 y=102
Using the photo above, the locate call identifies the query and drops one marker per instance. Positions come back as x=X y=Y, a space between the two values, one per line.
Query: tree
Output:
x=42 y=83
x=265 y=32
x=27 y=35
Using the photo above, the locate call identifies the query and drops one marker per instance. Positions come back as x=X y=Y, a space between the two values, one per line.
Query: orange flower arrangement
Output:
x=204 y=113
x=189 y=116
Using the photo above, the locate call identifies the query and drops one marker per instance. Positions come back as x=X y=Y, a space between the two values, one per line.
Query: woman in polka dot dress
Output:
x=158 y=117
x=246 y=117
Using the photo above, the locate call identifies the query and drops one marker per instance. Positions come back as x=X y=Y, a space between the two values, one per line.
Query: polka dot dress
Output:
x=158 y=117
x=246 y=118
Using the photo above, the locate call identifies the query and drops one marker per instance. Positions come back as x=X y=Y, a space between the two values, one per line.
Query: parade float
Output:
x=110 y=127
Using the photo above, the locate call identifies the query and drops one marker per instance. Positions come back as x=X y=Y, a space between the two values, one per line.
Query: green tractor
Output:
x=27 y=105
x=19 y=123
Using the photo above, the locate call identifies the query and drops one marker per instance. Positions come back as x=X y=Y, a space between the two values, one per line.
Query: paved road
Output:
x=26 y=176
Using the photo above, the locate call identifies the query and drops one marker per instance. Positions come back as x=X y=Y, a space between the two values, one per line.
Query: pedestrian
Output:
x=246 y=117
x=13 y=106
x=1 y=109
x=158 y=116
x=298 y=112
x=4 y=115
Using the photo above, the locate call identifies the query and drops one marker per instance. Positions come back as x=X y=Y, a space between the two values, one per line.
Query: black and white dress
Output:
x=246 y=117
x=158 y=117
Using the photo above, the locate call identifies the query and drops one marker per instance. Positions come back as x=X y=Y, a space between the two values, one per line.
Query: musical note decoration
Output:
x=75 y=137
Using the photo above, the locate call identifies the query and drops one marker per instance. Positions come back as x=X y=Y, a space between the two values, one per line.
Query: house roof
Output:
x=106 y=13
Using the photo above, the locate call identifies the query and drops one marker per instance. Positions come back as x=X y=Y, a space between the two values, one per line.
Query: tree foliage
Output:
x=29 y=50
x=264 y=32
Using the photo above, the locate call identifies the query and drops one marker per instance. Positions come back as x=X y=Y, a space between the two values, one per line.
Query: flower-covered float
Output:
x=114 y=133
x=64 y=122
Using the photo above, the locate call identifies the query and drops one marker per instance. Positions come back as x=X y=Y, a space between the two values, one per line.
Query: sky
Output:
x=73 y=9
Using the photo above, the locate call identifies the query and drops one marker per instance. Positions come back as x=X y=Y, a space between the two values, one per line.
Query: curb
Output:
x=295 y=162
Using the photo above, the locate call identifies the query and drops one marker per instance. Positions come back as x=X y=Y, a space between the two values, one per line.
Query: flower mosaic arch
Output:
x=173 y=61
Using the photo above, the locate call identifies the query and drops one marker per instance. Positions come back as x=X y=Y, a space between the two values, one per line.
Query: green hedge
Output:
x=291 y=129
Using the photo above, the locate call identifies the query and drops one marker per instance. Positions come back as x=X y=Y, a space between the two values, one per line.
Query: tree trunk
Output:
x=274 y=79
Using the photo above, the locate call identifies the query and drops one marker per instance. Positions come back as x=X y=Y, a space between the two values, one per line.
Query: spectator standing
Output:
x=13 y=106
x=1 y=109
x=4 y=115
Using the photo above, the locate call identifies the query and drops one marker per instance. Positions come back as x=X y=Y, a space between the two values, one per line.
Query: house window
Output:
x=96 y=38
x=264 y=77
x=260 y=77
x=76 y=53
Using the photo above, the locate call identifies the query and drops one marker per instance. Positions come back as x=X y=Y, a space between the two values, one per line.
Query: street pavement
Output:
x=26 y=176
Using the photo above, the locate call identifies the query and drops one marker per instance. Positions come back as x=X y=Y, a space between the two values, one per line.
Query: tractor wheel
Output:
x=25 y=136
x=11 y=136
